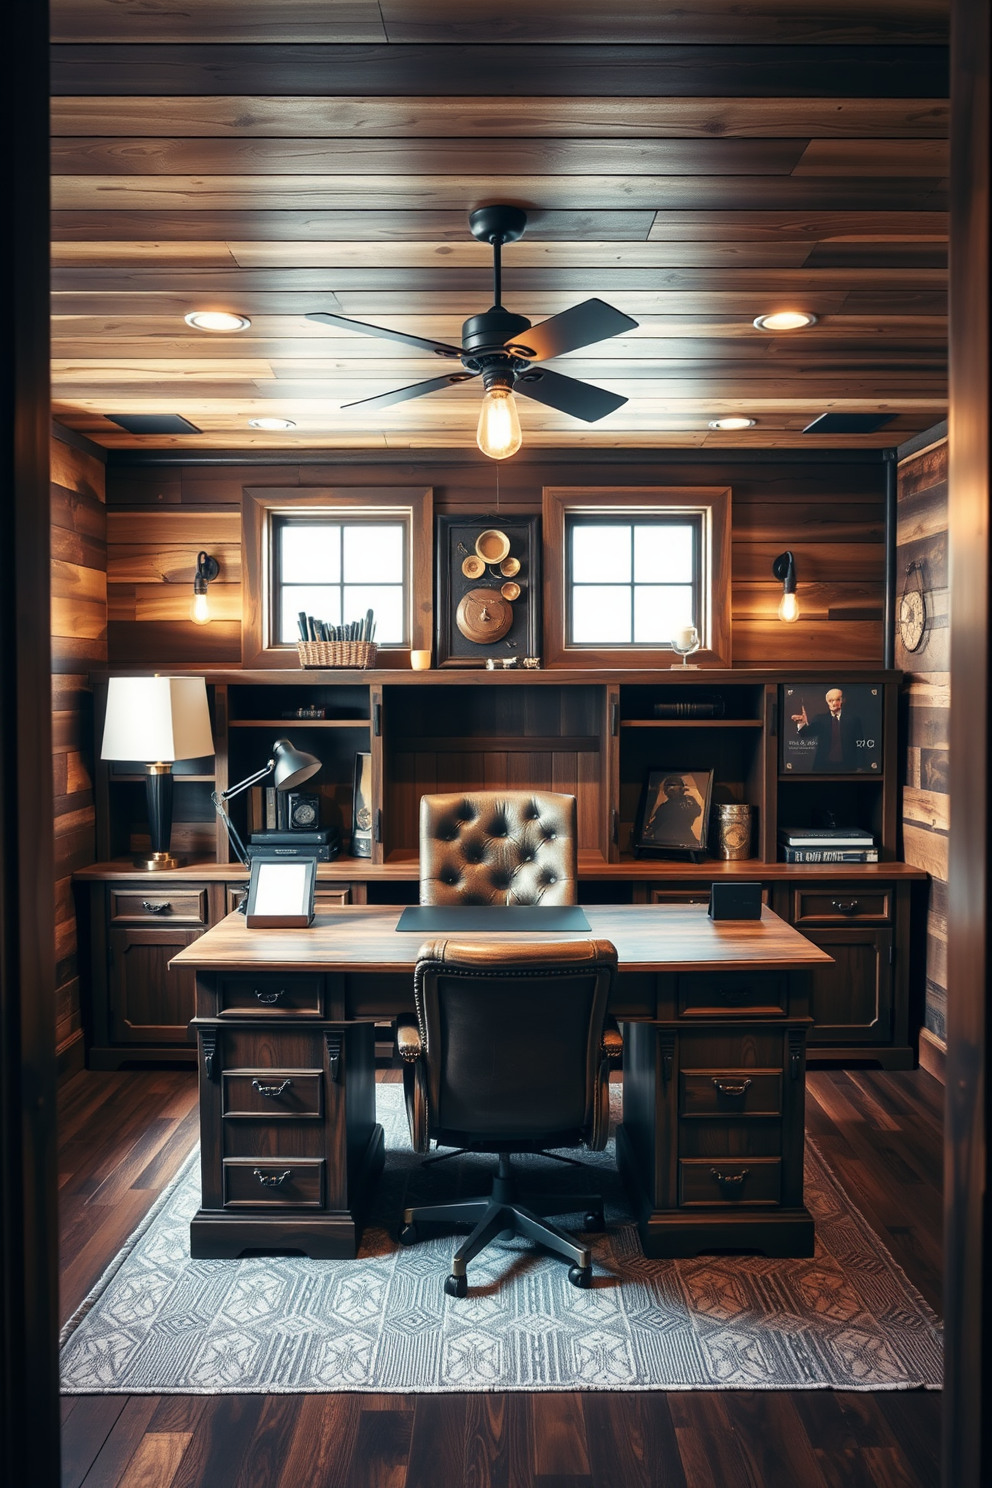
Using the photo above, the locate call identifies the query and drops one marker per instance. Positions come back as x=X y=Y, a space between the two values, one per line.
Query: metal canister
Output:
x=733 y=831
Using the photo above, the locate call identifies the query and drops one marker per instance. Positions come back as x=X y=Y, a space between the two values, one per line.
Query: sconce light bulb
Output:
x=499 y=433
x=199 y=610
x=788 y=608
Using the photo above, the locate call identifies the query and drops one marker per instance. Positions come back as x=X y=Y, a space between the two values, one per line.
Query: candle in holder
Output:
x=685 y=638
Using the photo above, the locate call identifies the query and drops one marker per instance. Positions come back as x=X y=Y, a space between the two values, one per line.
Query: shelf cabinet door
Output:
x=852 y=1000
x=149 y=1003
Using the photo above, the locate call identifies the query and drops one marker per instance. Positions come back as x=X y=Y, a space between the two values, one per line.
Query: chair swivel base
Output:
x=502 y=1213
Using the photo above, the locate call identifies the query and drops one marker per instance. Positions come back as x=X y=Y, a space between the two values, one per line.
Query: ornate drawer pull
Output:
x=156 y=906
x=272 y=1180
x=726 y=1087
x=730 y=1180
x=269 y=997
x=845 y=906
x=271 y=1090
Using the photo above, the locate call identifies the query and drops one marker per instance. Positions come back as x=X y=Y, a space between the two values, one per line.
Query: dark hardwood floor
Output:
x=123 y=1137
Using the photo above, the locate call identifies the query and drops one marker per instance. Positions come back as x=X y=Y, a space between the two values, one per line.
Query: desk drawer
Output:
x=268 y=995
x=324 y=898
x=719 y=994
x=150 y=906
x=723 y=1093
x=275 y=1095
x=839 y=906
x=730 y=1184
x=254 y=1183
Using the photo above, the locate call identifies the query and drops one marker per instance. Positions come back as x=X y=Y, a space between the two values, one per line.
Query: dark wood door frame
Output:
x=29 y=1425
x=967 y=1452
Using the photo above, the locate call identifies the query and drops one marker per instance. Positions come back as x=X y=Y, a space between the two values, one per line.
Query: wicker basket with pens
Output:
x=355 y=654
x=324 y=645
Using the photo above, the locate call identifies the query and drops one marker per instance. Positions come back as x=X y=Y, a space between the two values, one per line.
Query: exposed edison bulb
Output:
x=788 y=608
x=199 y=609
x=499 y=427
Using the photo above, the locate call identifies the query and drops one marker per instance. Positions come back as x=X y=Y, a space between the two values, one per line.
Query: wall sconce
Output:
x=784 y=569
x=207 y=569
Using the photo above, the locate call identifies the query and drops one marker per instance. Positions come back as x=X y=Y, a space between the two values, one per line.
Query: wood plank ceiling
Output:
x=693 y=166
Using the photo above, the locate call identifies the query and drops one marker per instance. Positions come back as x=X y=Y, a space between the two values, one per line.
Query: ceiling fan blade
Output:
x=441 y=348
x=593 y=320
x=415 y=390
x=581 y=399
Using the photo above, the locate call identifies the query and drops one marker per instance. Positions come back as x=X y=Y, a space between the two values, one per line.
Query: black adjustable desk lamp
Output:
x=288 y=767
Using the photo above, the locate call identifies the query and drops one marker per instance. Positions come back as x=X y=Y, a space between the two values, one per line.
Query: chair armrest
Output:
x=612 y=1044
x=408 y=1041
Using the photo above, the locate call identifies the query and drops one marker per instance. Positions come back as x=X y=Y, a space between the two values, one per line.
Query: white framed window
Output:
x=631 y=582
x=335 y=569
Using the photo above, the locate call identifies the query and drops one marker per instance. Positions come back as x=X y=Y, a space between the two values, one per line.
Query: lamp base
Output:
x=158 y=862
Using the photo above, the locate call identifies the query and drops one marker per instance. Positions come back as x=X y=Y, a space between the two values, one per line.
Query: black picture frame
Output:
x=817 y=747
x=281 y=893
x=685 y=831
x=455 y=541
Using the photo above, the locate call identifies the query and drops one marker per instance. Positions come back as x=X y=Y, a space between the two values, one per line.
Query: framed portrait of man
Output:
x=831 y=728
x=674 y=813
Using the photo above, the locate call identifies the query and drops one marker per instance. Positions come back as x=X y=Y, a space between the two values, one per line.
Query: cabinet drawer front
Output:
x=252 y=1183
x=731 y=1093
x=149 y=906
x=732 y=1183
x=841 y=906
x=717 y=994
x=324 y=898
x=276 y=1095
x=289 y=996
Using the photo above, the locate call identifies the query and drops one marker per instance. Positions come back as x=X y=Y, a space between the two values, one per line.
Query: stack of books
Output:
x=827 y=845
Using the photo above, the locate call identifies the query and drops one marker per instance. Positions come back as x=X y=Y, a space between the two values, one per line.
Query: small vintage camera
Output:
x=303 y=810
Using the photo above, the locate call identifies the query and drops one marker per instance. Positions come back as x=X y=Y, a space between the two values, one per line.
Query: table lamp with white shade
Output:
x=157 y=720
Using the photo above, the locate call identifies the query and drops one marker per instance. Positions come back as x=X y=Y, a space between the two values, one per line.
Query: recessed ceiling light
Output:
x=732 y=423
x=785 y=320
x=271 y=423
x=216 y=320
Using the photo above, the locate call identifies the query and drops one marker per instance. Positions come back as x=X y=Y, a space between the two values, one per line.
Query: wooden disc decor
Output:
x=483 y=616
x=473 y=566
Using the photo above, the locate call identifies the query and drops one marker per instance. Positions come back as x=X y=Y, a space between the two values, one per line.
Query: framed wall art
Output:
x=832 y=728
x=488 y=589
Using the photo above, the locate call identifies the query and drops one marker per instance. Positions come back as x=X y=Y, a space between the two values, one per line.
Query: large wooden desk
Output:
x=714 y=1061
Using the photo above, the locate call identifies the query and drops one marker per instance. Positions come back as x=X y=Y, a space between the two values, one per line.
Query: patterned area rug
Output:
x=160 y=1323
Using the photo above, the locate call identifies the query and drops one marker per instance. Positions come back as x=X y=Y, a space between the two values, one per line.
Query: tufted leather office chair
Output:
x=498 y=847
x=510 y=1052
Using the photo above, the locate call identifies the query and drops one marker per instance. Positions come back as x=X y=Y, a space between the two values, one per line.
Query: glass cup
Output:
x=685 y=642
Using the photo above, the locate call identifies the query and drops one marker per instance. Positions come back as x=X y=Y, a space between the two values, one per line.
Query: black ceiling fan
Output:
x=502 y=347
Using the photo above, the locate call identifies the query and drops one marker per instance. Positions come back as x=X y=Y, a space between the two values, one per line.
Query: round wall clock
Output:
x=913 y=609
x=484 y=615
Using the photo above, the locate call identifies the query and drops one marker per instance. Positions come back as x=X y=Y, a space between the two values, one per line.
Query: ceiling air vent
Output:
x=849 y=423
x=153 y=423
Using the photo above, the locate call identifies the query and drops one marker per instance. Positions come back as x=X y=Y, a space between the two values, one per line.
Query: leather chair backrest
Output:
x=512 y=1036
x=498 y=847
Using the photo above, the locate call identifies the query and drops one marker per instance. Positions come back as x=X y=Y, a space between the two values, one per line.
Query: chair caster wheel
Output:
x=580 y=1276
x=408 y=1235
x=594 y=1220
x=456 y=1286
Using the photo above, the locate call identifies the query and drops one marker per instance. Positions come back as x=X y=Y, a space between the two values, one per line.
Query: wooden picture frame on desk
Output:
x=414 y=506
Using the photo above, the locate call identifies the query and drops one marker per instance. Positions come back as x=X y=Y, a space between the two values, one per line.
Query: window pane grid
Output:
x=340 y=569
x=660 y=595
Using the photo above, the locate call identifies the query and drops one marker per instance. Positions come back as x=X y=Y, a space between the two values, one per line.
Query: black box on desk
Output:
x=735 y=901
x=324 y=852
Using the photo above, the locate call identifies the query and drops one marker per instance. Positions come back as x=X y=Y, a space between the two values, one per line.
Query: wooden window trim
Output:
x=260 y=504
x=711 y=503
